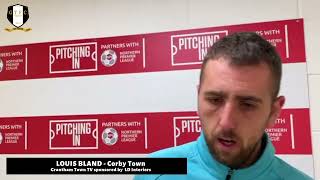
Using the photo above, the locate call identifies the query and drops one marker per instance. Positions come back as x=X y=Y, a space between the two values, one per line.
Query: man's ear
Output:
x=275 y=110
x=198 y=93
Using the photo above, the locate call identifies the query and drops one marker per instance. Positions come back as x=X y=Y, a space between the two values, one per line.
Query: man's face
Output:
x=235 y=107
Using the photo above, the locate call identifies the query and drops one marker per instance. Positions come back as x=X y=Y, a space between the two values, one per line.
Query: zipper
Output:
x=229 y=175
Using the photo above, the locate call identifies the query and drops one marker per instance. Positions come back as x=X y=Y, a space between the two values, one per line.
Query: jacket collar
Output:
x=220 y=170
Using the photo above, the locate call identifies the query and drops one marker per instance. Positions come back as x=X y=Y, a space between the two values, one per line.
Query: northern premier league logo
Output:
x=1 y=65
x=1 y=138
x=18 y=15
x=108 y=58
x=110 y=136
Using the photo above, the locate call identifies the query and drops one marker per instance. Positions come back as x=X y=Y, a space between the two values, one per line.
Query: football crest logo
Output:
x=108 y=58
x=110 y=136
x=1 y=65
x=1 y=138
x=18 y=15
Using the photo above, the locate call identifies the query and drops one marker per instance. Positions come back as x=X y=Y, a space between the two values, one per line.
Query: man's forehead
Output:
x=253 y=80
x=224 y=66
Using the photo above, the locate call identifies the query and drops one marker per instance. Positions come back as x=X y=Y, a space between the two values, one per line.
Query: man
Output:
x=237 y=100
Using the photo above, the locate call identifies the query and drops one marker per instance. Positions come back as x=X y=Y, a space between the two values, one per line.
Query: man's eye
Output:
x=215 y=101
x=247 y=105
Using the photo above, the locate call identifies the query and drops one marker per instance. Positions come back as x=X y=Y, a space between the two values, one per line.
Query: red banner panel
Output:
x=132 y=133
x=176 y=50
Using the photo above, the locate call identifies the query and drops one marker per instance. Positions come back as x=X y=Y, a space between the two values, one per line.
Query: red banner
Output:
x=132 y=133
x=177 y=50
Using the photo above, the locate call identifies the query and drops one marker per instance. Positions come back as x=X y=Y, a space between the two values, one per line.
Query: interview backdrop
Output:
x=145 y=85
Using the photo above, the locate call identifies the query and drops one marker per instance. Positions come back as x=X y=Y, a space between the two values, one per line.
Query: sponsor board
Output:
x=290 y=131
x=186 y=129
x=68 y=58
x=188 y=49
x=167 y=51
x=121 y=132
x=134 y=133
x=73 y=134
x=13 y=62
x=122 y=54
x=13 y=136
x=288 y=134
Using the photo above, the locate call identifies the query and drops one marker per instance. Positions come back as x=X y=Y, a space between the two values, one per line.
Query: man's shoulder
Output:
x=185 y=150
x=286 y=171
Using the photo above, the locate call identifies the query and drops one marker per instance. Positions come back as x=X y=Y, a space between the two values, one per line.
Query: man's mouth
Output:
x=227 y=142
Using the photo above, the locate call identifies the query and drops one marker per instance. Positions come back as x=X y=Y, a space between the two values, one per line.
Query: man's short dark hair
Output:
x=246 y=49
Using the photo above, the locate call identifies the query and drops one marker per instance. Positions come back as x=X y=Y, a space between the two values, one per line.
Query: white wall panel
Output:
x=316 y=153
x=206 y=13
x=167 y=91
x=310 y=13
x=314 y=89
x=66 y=20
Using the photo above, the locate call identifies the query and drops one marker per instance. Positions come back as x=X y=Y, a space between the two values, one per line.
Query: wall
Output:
x=67 y=20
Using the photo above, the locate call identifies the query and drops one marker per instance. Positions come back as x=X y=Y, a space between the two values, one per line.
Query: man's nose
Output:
x=228 y=116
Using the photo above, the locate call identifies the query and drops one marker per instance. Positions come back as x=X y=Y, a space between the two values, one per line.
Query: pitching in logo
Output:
x=73 y=134
x=78 y=57
x=190 y=49
x=18 y=15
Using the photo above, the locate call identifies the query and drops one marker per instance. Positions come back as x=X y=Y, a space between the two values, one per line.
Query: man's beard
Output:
x=234 y=159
